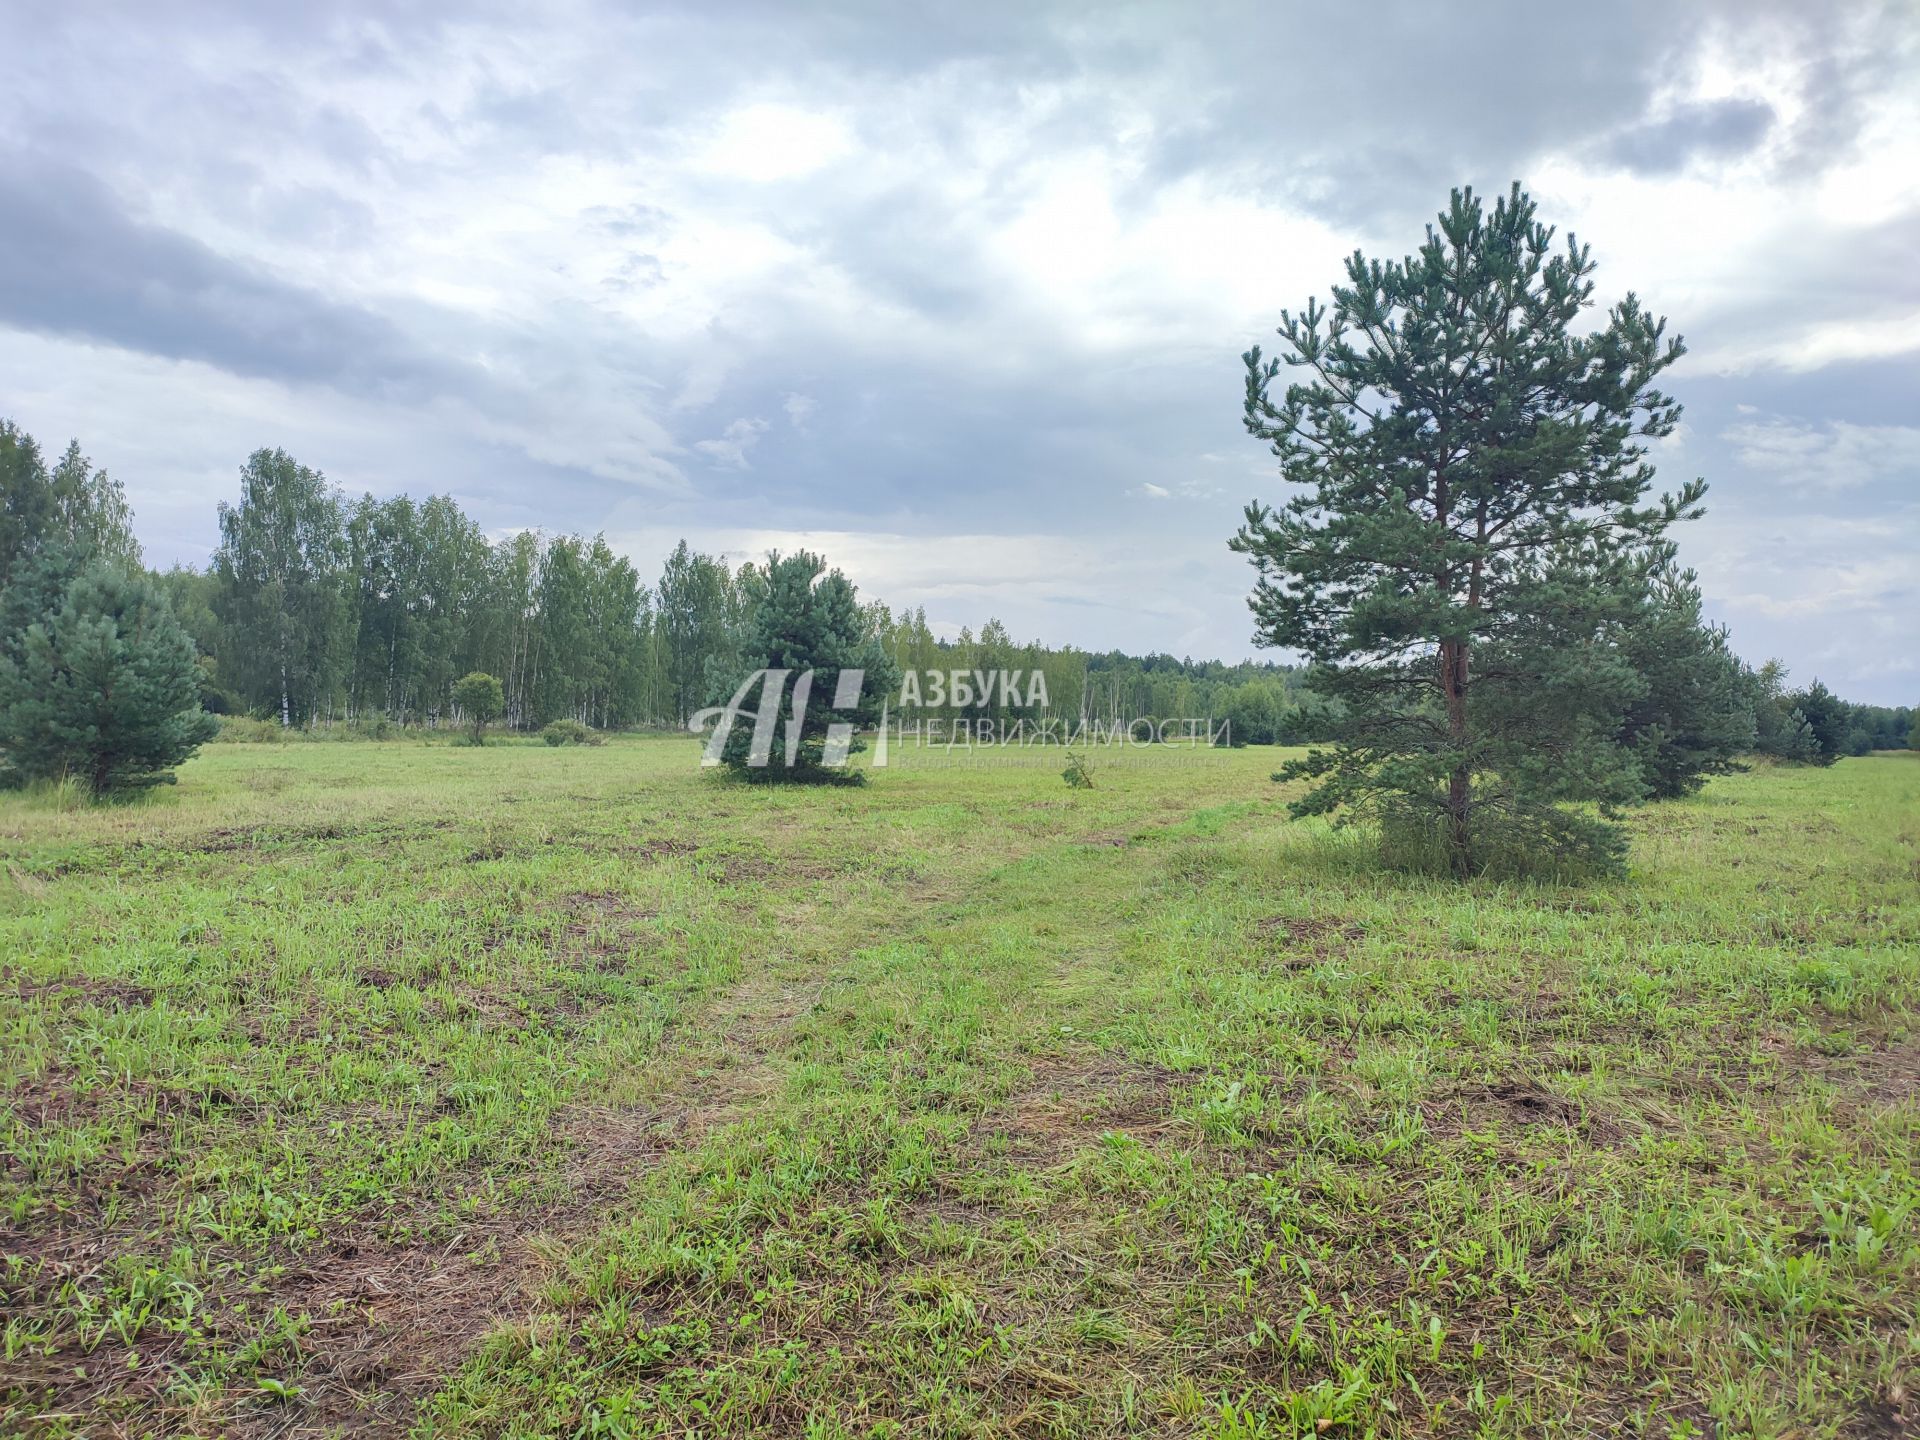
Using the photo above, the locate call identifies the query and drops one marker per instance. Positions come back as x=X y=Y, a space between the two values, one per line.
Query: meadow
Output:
x=375 y=1088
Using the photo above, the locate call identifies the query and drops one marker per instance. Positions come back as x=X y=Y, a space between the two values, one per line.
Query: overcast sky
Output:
x=955 y=293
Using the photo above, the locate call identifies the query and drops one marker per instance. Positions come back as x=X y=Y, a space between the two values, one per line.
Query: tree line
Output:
x=316 y=610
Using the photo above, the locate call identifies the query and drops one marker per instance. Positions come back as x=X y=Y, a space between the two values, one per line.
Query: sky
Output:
x=955 y=294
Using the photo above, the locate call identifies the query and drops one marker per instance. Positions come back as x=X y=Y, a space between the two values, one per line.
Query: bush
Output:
x=570 y=732
x=479 y=698
x=246 y=730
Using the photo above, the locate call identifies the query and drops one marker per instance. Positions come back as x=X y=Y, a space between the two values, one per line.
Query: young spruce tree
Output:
x=805 y=620
x=1474 y=532
x=105 y=689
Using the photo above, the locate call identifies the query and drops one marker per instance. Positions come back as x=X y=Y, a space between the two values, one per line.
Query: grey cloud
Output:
x=1715 y=130
x=72 y=262
x=1848 y=57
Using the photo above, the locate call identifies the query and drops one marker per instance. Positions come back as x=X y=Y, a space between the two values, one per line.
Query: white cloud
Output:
x=1812 y=347
x=1838 y=455
x=1764 y=262
x=799 y=408
x=1830 y=595
x=1108 y=271
x=765 y=142
x=730 y=450
x=1184 y=490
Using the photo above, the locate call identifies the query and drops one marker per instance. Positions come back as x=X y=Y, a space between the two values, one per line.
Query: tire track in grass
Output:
x=393 y=1321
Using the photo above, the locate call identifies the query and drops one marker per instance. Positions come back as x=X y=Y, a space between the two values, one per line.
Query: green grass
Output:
x=530 y=1091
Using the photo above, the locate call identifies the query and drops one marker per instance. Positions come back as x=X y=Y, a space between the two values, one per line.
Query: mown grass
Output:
x=529 y=1091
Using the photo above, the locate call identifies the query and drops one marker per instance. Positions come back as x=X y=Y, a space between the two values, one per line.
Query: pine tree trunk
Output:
x=1453 y=681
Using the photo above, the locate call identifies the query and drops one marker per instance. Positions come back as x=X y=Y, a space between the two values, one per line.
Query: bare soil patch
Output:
x=1305 y=940
x=390 y=1320
x=599 y=926
x=754 y=870
x=1069 y=1101
x=1519 y=1103
x=1890 y=1076
x=386 y=1320
x=86 y=990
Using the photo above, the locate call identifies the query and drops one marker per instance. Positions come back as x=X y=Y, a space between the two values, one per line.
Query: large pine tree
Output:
x=1474 y=530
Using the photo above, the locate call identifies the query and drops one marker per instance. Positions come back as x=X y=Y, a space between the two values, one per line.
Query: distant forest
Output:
x=317 y=610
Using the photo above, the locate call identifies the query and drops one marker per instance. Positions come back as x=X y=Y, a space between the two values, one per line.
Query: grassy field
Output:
x=520 y=1091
